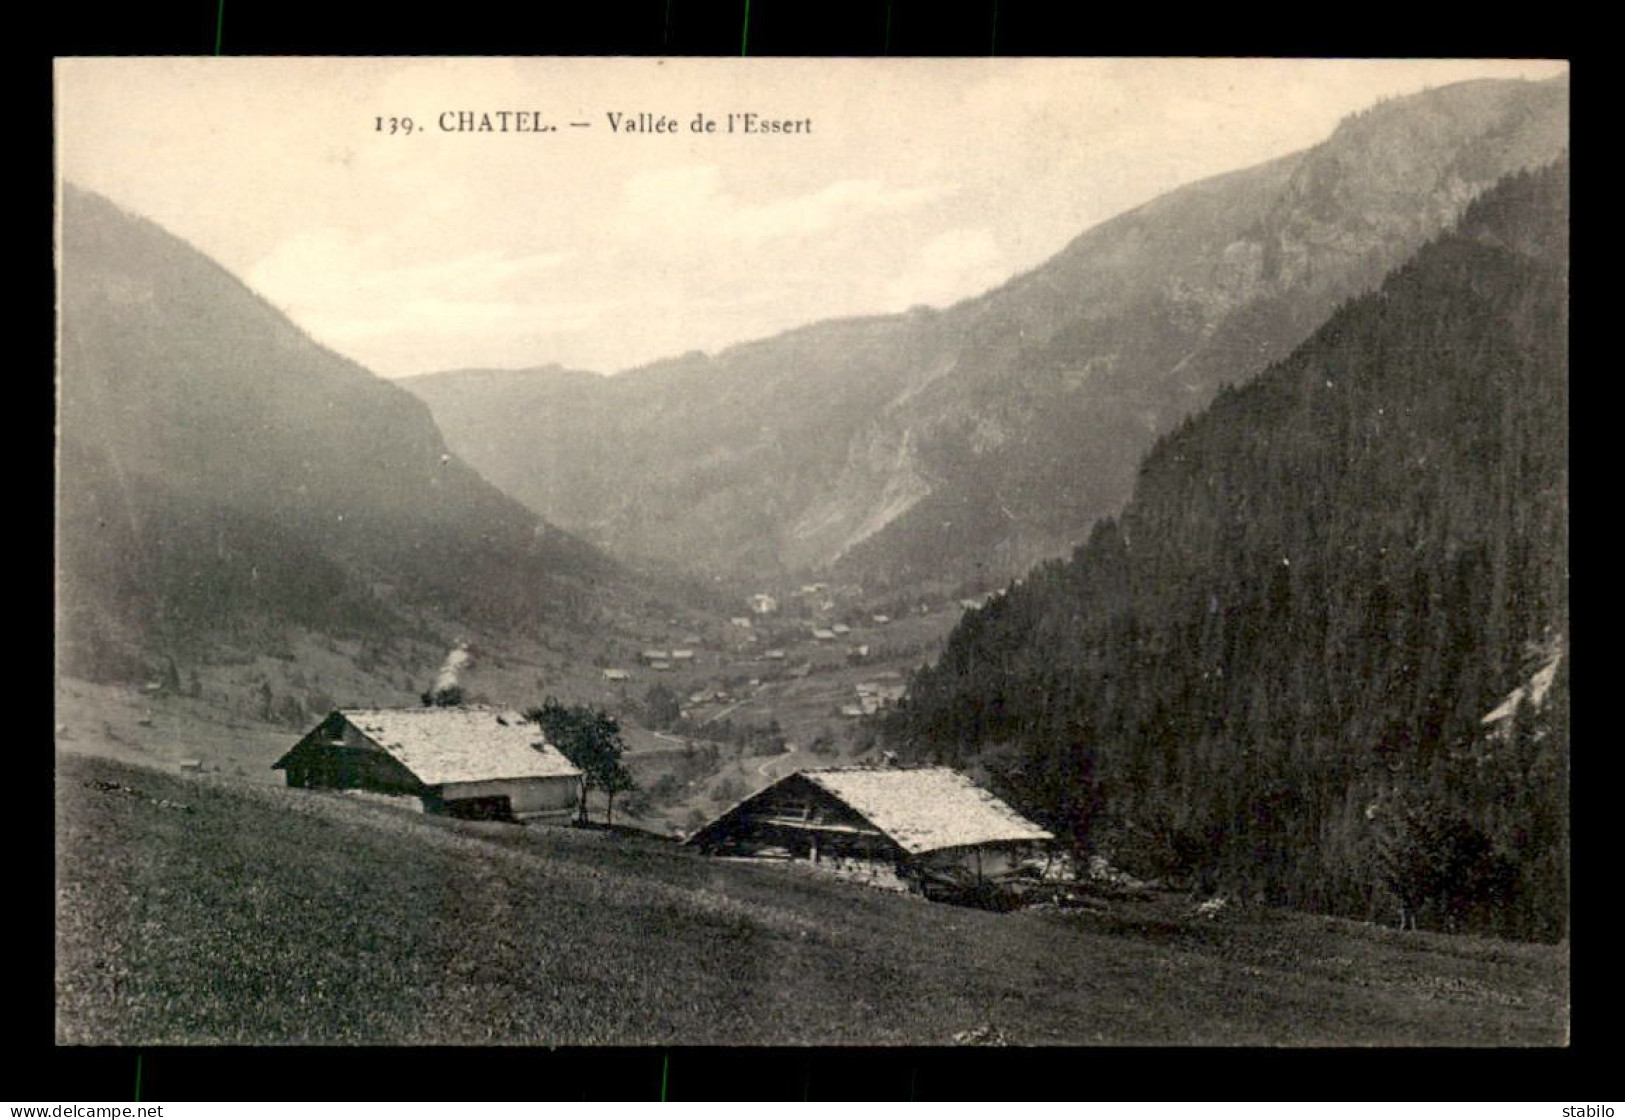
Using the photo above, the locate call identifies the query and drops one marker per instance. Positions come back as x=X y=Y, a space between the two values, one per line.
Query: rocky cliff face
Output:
x=973 y=440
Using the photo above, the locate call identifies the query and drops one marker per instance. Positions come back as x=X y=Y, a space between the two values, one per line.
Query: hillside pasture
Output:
x=197 y=910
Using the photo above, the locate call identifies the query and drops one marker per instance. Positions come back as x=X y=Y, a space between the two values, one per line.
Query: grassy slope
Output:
x=191 y=910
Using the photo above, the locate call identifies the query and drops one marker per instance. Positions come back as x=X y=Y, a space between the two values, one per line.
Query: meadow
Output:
x=198 y=909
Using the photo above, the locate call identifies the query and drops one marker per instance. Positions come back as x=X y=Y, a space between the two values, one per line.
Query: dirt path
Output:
x=729 y=710
x=775 y=761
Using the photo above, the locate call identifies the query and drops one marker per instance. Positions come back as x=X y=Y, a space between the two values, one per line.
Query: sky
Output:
x=910 y=181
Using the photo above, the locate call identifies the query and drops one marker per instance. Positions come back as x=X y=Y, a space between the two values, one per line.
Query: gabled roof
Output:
x=921 y=810
x=927 y=808
x=445 y=745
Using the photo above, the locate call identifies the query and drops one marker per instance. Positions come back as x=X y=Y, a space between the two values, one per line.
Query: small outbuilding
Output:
x=931 y=830
x=467 y=762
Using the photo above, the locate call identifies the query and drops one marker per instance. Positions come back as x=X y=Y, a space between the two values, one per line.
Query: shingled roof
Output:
x=927 y=808
x=445 y=745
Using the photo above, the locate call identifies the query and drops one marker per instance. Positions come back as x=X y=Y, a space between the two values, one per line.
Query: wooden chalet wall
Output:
x=335 y=756
x=975 y=863
x=795 y=819
x=520 y=798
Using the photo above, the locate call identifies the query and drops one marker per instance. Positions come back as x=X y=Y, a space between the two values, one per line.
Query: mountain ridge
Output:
x=221 y=473
x=972 y=440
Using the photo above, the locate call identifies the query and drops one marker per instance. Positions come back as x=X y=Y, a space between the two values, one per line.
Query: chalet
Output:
x=652 y=655
x=822 y=635
x=763 y=604
x=466 y=762
x=930 y=830
x=617 y=675
x=682 y=655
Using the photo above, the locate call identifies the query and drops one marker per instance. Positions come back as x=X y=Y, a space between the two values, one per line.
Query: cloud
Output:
x=694 y=197
x=950 y=267
x=330 y=264
x=358 y=295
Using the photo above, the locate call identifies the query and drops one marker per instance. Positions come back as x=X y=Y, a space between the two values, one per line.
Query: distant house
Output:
x=881 y=619
x=742 y=622
x=655 y=655
x=773 y=655
x=763 y=604
x=823 y=635
x=465 y=762
x=884 y=693
x=617 y=675
x=841 y=628
x=682 y=655
x=931 y=830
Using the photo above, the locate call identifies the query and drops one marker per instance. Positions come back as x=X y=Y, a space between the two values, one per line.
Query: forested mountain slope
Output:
x=1272 y=670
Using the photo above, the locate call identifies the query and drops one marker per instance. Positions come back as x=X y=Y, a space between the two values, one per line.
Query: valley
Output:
x=942 y=446
x=754 y=702
x=1220 y=559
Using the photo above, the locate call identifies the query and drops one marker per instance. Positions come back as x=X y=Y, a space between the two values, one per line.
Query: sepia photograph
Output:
x=846 y=552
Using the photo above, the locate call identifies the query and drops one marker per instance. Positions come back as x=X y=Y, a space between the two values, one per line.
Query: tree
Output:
x=171 y=676
x=660 y=706
x=1429 y=854
x=449 y=697
x=591 y=740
